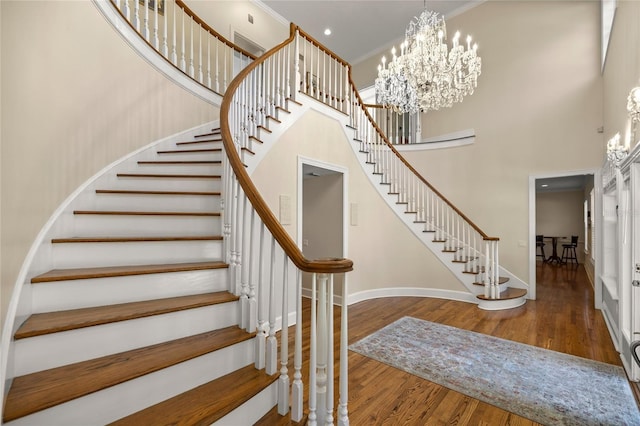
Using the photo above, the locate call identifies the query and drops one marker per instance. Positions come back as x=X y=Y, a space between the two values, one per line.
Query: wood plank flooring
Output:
x=561 y=319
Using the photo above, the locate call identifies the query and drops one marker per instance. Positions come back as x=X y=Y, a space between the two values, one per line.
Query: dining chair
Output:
x=540 y=245
x=569 y=250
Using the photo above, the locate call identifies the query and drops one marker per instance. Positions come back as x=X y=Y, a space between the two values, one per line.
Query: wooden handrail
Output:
x=213 y=32
x=328 y=266
x=484 y=236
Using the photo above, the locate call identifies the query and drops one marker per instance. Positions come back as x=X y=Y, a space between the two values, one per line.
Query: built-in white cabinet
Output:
x=619 y=275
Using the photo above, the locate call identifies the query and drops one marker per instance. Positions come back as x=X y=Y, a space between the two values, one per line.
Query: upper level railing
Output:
x=400 y=129
x=187 y=42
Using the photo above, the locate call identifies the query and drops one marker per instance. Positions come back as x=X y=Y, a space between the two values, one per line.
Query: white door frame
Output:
x=595 y=216
x=345 y=197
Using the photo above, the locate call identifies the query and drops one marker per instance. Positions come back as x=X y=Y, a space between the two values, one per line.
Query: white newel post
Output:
x=330 y=350
x=343 y=413
x=487 y=283
x=313 y=337
x=321 y=349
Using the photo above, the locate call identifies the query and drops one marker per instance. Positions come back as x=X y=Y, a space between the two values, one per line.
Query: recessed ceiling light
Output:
x=544 y=185
x=327 y=31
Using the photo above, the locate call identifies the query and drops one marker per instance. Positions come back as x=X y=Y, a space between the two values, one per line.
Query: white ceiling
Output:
x=360 y=28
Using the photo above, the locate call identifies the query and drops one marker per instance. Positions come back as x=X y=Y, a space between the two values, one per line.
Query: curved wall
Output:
x=75 y=97
x=386 y=255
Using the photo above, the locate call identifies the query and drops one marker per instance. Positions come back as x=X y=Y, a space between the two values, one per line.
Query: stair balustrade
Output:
x=472 y=247
x=262 y=256
x=186 y=41
x=468 y=243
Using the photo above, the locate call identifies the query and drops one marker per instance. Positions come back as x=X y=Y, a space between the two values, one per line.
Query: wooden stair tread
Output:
x=510 y=293
x=135 y=239
x=168 y=176
x=189 y=151
x=45 y=389
x=54 y=322
x=142 y=213
x=206 y=403
x=273 y=418
x=120 y=271
x=185 y=162
x=501 y=280
x=201 y=141
x=138 y=192
x=211 y=133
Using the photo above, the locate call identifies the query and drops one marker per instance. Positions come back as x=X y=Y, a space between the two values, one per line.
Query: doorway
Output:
x=561 y=206
x=322 y=229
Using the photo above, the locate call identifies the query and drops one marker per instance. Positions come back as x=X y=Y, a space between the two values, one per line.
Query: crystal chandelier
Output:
x=427 y=75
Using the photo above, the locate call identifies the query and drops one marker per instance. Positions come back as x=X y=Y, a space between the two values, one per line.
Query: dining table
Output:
x=554 y=258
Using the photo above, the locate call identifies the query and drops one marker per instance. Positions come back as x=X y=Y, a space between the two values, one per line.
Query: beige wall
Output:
x=385 y=253
x=622 y=69
x=75 y=98
x=536 y=110
x=560 y=214
x=229 y=16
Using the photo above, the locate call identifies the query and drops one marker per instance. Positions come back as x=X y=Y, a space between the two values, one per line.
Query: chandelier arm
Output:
x=414 y=171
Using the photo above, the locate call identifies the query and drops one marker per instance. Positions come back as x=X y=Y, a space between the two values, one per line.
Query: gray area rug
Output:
x=545 y=386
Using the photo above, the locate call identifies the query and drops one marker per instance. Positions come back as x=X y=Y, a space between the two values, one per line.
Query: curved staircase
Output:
x=135 y=323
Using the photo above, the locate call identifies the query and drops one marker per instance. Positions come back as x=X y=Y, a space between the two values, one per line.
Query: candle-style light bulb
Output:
x=468 y=42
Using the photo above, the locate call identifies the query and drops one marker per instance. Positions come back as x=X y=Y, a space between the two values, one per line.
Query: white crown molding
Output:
x=271 y=12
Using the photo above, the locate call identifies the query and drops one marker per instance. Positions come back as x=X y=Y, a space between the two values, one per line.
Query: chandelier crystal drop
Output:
x=427 y=75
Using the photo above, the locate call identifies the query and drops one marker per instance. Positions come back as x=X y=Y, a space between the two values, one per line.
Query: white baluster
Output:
x=165 y=46
x=136 y=13
x=146 y=33
x=209 y=61
x=127 y=10
x=156 y=40
x=192 y=72
x=183 y=63
x=244 y=268
x=252 y=320
x=174 y=44
x=283 y=380
x=261 y=337
x=272 y=344
x=297 y=388
x=200 y=72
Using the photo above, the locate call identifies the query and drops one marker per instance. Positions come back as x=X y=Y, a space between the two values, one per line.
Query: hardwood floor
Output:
x=561 y=319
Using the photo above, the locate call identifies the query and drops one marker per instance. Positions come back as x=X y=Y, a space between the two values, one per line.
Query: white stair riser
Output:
x=179 y=169
x=166 y=184
x=73 y=294
x=126 y=398
x=158 y=226
x=53 y=350
x=150 y=202
x=499 y=304
x=252 y=410
x=191 y=156
x=81 y=255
